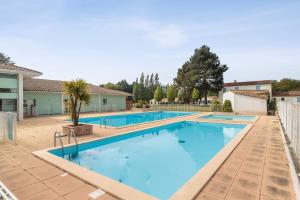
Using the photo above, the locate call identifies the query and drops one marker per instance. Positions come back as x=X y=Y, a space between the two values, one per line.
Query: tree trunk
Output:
x=75 y=119
x=78 y=112
x=205 y=97
x=74 y=114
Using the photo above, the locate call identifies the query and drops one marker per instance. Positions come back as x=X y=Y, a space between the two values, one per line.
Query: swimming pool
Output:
x=230 y=117
x=133 y=119
x=156 y=161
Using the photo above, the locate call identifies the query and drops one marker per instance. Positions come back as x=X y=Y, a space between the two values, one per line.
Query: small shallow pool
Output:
x=133 y=119
x=157 y=161
x=230 y=117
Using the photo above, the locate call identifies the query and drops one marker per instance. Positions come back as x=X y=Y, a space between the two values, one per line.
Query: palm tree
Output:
x=78 y=92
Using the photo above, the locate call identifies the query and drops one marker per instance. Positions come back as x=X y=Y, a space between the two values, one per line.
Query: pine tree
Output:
x=203 y=71
x=195 y=94
x=135 y=92
x=158 y=94
x=5 y=59
x=171 y=94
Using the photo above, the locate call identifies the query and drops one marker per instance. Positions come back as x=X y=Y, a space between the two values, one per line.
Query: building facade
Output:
x=288 y=96
x=20 y=92
x=247 y=97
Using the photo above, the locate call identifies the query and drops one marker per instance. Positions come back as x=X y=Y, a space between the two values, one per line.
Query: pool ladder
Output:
x=58 y=135
x=104 y=122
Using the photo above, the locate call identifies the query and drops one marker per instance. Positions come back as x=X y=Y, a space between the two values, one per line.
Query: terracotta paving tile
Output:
x=15 y=179
x=206 y=196
x=81 y=193
x=64 y=184
x=45 y=172
x=276 y=192
x=241 y=194
x=106 y=197
x=30 y=162
x=44 y=195
x=225 y=177
x=217 y=189
x=29 y=190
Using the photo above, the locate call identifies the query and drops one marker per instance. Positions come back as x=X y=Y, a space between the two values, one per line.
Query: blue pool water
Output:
x=131 y=119
x=157 y=161
x=230 y=117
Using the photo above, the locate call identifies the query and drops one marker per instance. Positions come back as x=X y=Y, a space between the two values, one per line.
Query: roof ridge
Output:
x=9 y=66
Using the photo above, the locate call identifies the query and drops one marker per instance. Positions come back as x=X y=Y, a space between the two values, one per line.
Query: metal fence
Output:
x=289 y=114
x=8 y=124
x=182 y=107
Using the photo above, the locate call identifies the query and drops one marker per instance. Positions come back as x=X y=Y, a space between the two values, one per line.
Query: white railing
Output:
x=289 y=114
x=8 y=127
x=5 y=193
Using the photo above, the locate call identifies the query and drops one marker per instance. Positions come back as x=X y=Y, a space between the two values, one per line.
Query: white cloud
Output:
x=164 y=35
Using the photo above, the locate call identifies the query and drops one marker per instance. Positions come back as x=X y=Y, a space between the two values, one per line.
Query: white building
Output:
x=247 y=97
x=289 y=96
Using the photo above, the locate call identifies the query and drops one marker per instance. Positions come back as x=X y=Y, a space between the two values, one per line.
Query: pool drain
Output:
x=181 y=141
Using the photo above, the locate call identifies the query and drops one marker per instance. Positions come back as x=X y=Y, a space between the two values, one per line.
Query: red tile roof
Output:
x=286 y=94
x=15 y=68
x=261 y=94
x=261 y=82
x=34 y=84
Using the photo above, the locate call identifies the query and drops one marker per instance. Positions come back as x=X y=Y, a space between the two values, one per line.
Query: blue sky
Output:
x=103 y=41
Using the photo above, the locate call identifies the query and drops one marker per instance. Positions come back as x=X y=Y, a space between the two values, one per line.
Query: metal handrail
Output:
x=104 y=122
x=72 y=134
x=58 y=135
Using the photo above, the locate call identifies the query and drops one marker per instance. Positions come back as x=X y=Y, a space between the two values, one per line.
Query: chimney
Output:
x=234 y=81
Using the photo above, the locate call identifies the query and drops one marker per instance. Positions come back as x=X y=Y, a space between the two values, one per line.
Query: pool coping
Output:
x=120 y=127
x=187 y=191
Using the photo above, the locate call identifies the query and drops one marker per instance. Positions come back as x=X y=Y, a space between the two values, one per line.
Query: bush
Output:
x=216 y=106
x=139 y=105
x=271 y=106
x=227 y=106
x=216 y=102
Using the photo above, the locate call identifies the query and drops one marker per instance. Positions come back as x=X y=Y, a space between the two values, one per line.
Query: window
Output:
x=104 y=101
x=298 y=99
x=8 y=105
x=8 y=90
x=224 y=90
x=282 y=99
x=236 y=88
x=258 y=87
x=8 y=76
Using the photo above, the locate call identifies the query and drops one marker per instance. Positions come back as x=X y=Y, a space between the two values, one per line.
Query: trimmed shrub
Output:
x=227 y=106
x=216 y=106
x=139 y=105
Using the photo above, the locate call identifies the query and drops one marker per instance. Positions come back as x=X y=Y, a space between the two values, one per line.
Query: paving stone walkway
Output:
x=257 y=169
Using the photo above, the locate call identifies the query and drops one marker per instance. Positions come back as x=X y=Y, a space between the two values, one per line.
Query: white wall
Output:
x=246 y=104
x=287 y=99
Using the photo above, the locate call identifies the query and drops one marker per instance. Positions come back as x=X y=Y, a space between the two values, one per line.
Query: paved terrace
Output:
x=257 y=168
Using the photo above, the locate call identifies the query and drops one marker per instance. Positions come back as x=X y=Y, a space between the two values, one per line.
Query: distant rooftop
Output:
x=260 y=82
x=286 y=94
x=17 y=69
x=34 y=84
x=261 y=94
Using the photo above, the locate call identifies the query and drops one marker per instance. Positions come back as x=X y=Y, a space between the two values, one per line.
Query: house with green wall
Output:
x=23 y=93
